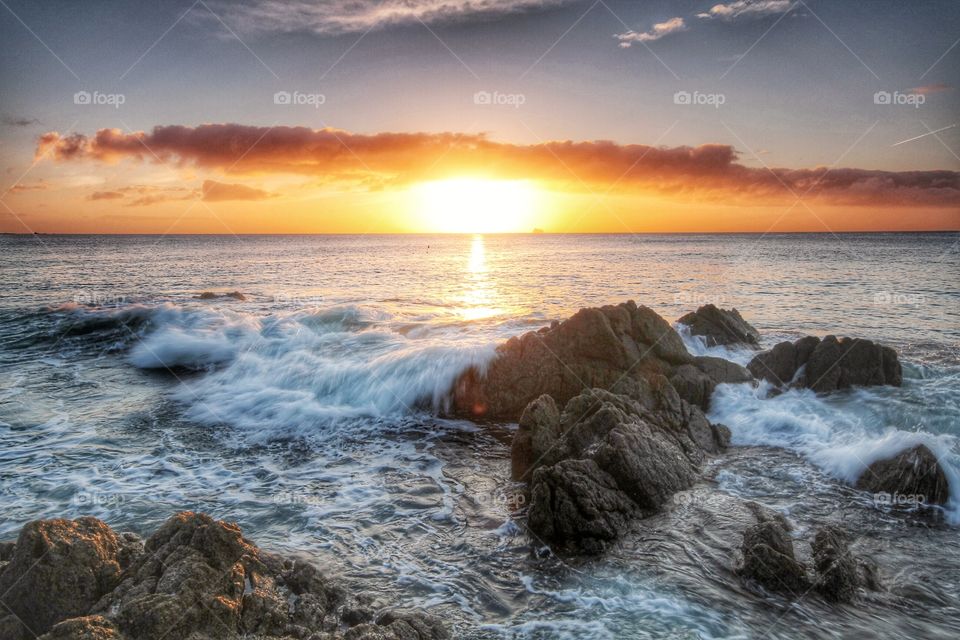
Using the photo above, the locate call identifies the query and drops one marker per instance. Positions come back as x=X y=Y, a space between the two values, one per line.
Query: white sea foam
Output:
x=841 y=433
x=697 y=345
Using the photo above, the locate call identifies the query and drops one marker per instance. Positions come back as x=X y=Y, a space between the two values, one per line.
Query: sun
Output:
x=476 y=205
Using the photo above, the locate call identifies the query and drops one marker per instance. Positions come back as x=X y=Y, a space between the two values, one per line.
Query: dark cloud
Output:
x=12 y=121
x=105 y=195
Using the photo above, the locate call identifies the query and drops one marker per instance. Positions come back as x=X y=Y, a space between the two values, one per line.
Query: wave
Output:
x=697 y=345
x=843 y=433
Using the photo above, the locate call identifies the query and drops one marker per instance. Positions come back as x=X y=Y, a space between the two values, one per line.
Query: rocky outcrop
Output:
x=195 y=578
x=721 y=327
x=59 y=569
x=695 y=382
x=839 y=573
x=915 y=474
x=595 y=348
x=769 y=557
x=609 y=457
x=210 y=295
x=828 y=364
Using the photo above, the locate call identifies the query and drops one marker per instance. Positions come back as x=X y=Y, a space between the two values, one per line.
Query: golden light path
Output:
x=476 y=205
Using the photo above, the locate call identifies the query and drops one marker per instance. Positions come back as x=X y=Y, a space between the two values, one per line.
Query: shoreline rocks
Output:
x=721 y=327
x=828 y=364
x=914 y=474
x=194 y=578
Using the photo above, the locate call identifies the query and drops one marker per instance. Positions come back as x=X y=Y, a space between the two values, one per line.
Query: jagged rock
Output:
x=838 y=573
x=696 y=382
x=721 y=326
x=85 y=628
x=595 y=348
x=769 y=558
x=828 y=364
x=914 y=472
x=210 y=295
x=58 y=570
x=537 y=434
x=195 y=578
x=618 y=456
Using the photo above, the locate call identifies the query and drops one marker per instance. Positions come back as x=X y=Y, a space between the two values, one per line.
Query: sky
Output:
x=392 y=116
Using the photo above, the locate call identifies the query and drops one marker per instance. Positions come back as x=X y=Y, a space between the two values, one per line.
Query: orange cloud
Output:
x=707 y=172
x=220 y=191
x=105 y=195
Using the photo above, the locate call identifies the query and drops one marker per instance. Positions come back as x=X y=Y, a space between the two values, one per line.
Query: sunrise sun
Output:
x=476 y=205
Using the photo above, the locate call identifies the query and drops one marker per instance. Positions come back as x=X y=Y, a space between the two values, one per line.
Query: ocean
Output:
x=312 y=412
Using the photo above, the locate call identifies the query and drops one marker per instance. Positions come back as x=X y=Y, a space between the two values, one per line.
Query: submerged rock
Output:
x=721 y=326
x=838 y=571
x=210 y=295
x=195 y=578
x=828 y=364
x=595 y=348
x=914 y=475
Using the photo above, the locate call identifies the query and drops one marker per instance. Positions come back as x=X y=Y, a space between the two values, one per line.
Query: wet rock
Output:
x=595 y=348
x=915 y=474
x=769 y=558
x=537 y=434
x=838 y=572
x=619 y=456
x=58 y=570
x=828 y=364
x=721 y=326
x=210 y=295
x=696 y=382
x=85 y=628
x=400 y=625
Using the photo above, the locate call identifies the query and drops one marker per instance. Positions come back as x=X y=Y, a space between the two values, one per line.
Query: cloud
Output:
x=105 y=195
x=40 y=185
x=659 y=30
x=12 y=121
x=748 y=9
x=353 y=16
x=221 y=191
x=927 y=89
x=370 y=161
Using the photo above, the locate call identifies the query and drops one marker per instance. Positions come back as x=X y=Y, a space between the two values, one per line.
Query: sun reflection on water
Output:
x=481 y=293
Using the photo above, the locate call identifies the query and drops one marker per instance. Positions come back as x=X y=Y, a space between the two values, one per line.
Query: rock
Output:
x=769 y=559
x=595 y=348
x=576 y=504
x=400 y=625
x=915 y=473
x=696 y=382
x=721 y=326
x=85 y=628
x=828 y=364
x=838 y=572
x=210 y=295
x=614 y=457
x=537 y=434
x=58 y=570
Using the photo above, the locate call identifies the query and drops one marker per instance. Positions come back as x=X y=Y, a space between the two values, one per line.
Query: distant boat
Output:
x=537 y=230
